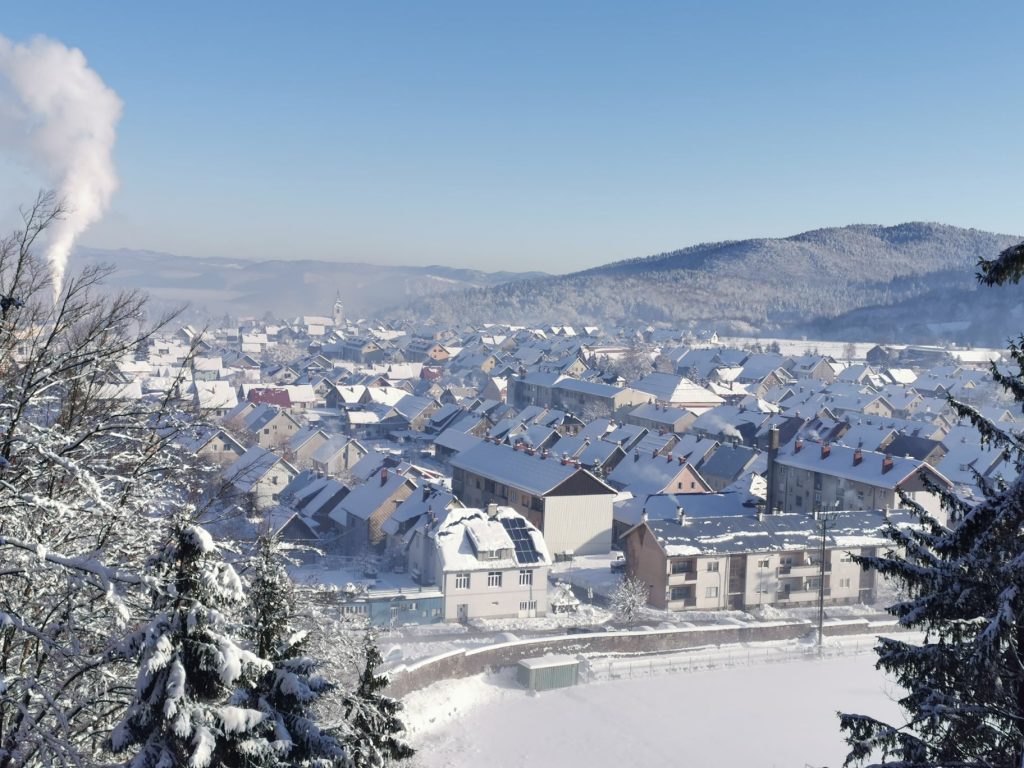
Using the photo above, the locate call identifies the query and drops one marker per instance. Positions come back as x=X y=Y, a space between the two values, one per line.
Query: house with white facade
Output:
x=491 y=563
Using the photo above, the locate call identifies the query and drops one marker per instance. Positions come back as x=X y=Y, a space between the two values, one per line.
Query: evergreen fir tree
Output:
x=186 y=710
x=374 y=727
x=287 y=693
x=964 y=587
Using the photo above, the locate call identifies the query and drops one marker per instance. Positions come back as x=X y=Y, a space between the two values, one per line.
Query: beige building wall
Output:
x=581 y=524
x=494 y=602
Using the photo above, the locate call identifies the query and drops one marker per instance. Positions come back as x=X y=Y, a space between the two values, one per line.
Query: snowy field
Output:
x=779 y=715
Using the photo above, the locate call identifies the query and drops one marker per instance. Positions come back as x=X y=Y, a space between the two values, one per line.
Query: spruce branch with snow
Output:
x=194 y=675
x=374 y=729
x=85 y=472
x=964 y=588
x=289 y=691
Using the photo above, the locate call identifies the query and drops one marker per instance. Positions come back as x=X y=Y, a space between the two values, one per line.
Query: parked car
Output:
x=619 y=564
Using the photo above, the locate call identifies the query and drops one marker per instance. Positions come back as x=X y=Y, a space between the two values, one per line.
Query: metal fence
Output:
x=599 y=669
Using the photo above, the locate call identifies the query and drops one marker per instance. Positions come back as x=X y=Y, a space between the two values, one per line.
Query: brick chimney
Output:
x=668 y=458
x=858 y=457
x=798 y=445
x=887 y=463
x=826 y=449
x=384 y=476
x=682 y=460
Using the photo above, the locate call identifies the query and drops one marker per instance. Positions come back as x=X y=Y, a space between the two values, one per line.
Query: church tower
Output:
x=338 y=311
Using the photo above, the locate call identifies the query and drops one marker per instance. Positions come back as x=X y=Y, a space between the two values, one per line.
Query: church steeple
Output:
x=339 y=311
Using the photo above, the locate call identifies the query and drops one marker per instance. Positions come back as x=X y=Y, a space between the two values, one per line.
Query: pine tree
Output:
x=287 y=693
x=187 y=710
x=964 y=587
x=374 y=727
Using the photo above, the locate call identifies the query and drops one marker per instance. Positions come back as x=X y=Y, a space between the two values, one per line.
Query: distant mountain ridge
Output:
x=769 y=285
x=214 y=287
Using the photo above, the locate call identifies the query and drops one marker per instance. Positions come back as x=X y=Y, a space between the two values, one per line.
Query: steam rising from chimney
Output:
x=63 y=117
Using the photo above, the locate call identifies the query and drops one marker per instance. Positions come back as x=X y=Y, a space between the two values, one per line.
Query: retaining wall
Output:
x=406 y=678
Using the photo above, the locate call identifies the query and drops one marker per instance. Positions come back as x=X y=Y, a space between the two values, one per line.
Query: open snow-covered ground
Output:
x=779 y=715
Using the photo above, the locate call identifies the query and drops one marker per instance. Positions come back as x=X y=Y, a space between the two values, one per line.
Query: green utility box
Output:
x=548 y=672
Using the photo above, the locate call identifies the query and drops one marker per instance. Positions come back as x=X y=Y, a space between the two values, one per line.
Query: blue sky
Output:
x=549 y=136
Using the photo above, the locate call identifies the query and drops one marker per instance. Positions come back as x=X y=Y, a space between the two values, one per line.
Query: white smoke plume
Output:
x=63 y=118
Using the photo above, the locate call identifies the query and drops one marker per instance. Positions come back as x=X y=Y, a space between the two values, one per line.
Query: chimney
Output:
x=668 y=458
x=858 y=457
x=492 y=511
x=798 y=445
x=682 y=460
x=426 y=492
x=887 y=463
x=643 y=515
x=654 y=453
x=680 y=515
x=636 y=455
x=384 y=476
x=826 y=449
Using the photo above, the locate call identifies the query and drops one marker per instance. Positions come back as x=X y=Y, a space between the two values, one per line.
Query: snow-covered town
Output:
x=490 y=496
x=461 y=385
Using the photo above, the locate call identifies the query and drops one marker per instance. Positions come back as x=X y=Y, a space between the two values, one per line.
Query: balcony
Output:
x=806 y=569
x=801 y=595
x=682 y=605
x=683 y=577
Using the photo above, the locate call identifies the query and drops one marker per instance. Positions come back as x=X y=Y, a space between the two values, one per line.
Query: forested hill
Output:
x=747 y=286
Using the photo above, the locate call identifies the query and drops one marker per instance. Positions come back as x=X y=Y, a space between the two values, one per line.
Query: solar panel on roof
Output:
x=516 y=528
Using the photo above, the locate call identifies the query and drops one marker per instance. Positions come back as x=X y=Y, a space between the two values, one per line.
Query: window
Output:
x=528 y=605
x=494 y=578
x=844 y=582
x=713 y=566
x=763 y=563
x=711 y=592
x=273 y=479
x=682 y=566
x=680 y=593
x=266 y=431
x=525 y=578
x=462 y=581
x=799 y=501
x=489 y=486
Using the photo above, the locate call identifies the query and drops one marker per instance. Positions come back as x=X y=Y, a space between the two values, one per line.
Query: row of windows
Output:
x=462 y=580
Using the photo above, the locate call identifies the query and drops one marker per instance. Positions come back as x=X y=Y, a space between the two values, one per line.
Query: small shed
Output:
x=548 y=672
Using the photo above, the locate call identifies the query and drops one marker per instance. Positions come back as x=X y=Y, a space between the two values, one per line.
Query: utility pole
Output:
x=824 y=520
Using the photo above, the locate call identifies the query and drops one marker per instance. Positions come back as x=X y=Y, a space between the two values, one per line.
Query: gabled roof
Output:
x=465 y=533
x=870 y=470
x=534 y=474
x=773 y=533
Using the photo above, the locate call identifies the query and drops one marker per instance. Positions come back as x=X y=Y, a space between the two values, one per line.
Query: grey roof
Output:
x=589 y=388
x=839 y=463
x=455 y=440
x=506 y=465
x=745 y=533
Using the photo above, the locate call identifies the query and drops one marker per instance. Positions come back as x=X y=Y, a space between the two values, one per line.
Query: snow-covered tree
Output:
x=629 y=598
x=85 y=470
x=374 y=728
x=288 y=692
x=964 y=588
x=194 y=675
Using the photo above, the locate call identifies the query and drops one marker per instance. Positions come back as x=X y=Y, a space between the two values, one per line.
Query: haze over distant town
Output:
x=563 y=385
